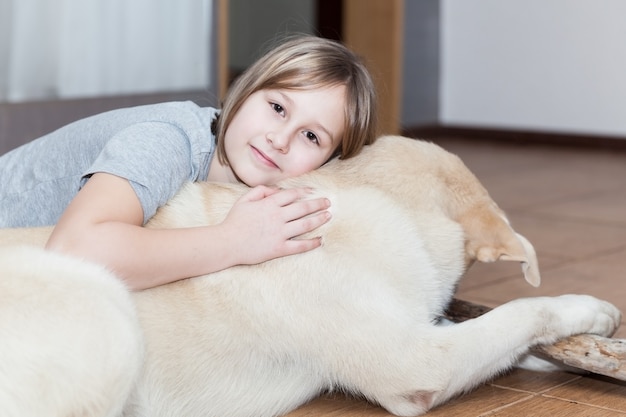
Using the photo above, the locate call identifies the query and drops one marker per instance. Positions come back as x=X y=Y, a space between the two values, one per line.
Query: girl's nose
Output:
x=278 y=141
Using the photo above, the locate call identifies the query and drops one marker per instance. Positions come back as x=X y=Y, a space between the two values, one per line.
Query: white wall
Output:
x=546 y=65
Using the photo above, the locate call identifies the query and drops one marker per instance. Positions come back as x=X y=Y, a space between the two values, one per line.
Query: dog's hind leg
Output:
x=70 y=340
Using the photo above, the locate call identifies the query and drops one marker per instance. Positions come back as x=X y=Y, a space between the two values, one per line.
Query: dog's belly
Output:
x=209 y=336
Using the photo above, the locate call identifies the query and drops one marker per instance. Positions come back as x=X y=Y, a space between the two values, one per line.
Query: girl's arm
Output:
x=104 y=224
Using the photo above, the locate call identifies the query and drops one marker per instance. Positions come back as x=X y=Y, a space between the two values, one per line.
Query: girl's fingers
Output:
x=295 y=246
x=285 y=197
x=303 y=208
x=306 y=224
x=260 y=192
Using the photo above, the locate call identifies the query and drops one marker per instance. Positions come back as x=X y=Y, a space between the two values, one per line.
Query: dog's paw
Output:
x=586 y=314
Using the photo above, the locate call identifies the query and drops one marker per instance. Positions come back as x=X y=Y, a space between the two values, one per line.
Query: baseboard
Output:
x=435 y=132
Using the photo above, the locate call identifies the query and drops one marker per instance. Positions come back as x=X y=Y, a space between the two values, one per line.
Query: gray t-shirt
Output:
x=157 y=148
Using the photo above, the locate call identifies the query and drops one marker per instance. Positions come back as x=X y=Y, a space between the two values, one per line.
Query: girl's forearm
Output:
x=146 y=258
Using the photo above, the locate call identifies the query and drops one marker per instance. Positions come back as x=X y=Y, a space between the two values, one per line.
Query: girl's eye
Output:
x=278 y=108
x=312 y=137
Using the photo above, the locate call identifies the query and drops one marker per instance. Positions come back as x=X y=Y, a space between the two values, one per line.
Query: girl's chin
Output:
x=249 y=179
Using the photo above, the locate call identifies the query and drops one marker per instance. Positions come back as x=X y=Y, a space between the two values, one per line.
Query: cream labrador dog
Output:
x=360 y=314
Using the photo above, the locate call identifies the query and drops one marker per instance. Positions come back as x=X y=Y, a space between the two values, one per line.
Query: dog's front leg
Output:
x=478 y=349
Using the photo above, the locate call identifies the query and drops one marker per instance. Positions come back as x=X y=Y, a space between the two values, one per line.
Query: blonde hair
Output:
x=304 y=62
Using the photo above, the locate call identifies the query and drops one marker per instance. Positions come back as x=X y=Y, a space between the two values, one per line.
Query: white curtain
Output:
x=78 y=48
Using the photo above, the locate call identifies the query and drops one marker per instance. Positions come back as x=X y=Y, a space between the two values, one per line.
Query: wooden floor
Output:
x=571 y=203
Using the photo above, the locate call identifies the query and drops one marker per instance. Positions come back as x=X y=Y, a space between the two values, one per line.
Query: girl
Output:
x=101 y=178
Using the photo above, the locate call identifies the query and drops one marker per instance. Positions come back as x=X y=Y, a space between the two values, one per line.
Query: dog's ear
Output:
x=489 y=238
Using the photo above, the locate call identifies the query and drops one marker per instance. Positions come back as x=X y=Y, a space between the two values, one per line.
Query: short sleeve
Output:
x=155 y=157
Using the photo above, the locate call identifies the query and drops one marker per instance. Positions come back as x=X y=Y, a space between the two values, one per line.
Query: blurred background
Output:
x=552 y=69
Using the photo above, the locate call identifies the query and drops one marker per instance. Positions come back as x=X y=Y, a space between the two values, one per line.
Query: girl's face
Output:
x=278 y=134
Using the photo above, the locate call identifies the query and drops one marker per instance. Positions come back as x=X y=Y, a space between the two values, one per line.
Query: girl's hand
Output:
x=264 y=222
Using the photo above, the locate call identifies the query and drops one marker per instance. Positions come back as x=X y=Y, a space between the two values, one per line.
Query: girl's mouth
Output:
x=264 y=159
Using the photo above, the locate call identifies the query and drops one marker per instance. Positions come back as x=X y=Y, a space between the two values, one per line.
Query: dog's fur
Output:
x=359 y=314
